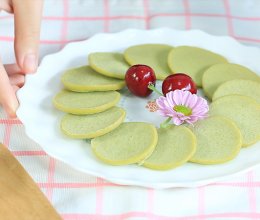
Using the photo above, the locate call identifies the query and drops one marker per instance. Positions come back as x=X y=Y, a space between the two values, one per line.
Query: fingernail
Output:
x=11 y=115
x=11 y=109
x=30 y=63
x=14 y=107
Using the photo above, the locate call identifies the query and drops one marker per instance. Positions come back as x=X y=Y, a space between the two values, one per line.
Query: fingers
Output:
x=15 y=88
x=6 y=6
x=16 y=78
x=12 y=69
x=27 y=16
x=7 y=94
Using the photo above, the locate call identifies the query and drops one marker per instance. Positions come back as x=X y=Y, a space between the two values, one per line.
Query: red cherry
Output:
x=179 y=81
x=138 y=77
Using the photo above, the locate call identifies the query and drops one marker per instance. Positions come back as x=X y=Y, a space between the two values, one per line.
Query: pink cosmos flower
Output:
x=182 y=106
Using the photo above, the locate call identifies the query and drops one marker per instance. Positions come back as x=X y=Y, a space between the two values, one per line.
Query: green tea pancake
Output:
x=239 y=87
x=175 y=146
x=218 y=140
x=192 y=61
x=85 y=103
x=130 y=143
x=220 y=73
x=153 y=55
x=244 y=111
x=91 y=126
x=85 y=79
x=109 y=64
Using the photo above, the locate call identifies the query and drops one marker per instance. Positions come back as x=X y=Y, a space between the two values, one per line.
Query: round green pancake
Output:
x=85 y=79
x=192 y=61
x=91 y=126
x=130 y=143
x=239 y=87
x=153 y=55
x=175 y=146
x=85 y=103
x=244 y=111
x=109 y=64
x=218 y=140
x=220 y=73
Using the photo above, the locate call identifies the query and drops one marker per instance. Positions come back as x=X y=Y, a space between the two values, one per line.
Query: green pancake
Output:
x=239 y=87
x=220 y=73
x=85 y=79
x=109 y=64
x=175 y=146
x=130 y=143
x=91 y=126
x=218 y=140
x=153 y=55
x=244 y=111
x=192 y=61
x=85 y=103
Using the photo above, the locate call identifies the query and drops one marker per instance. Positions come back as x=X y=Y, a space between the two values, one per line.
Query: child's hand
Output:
x=27 y=19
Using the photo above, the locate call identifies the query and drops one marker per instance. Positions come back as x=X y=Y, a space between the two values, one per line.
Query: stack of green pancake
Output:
x=89 y=100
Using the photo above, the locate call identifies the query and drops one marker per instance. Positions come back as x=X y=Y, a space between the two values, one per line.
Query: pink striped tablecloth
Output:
x=79 y=196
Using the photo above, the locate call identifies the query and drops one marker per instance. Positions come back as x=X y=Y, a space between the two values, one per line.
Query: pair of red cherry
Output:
x=139 y=77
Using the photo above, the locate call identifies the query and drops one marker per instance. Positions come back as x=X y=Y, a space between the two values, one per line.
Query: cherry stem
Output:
x=165 y=124
x=152 y=87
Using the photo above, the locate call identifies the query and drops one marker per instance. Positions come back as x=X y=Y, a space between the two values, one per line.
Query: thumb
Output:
x=27 y=16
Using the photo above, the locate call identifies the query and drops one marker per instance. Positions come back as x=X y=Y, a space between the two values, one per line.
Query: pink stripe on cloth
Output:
x=11 y=39
x=146 y=14
x=60 y=18
x=150 y=201
x=229 y=18
x=251 y=191
x=99 y=196
x=150 y=193
x=247 y=39
x=186 y=5
x=201 y=200
x=130 y=17
x=158 y=217
x=7 y=134
x=203 y=15
x=50 y=180
x=237 y=184
x=29 y=153
x=7 y=17
x=80 y=18
x=64 y=27
x=77 y=185
x=106 y=15
x=245 y=18
x=10 y=121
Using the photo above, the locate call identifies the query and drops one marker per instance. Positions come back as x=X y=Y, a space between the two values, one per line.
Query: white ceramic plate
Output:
x=41 y=119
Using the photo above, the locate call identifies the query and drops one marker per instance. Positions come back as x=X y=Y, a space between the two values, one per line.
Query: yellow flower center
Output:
x=183 y=109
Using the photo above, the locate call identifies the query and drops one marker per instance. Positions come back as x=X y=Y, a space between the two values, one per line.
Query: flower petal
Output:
x=160 y=102
x=169 y=97
x=187 y=96
x=167 y=104
x=177 y=96
x=177 y=121
x=192 y=101
x=162 y=113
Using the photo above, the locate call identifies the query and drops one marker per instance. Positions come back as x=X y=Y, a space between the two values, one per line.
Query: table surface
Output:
x=76 y=195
